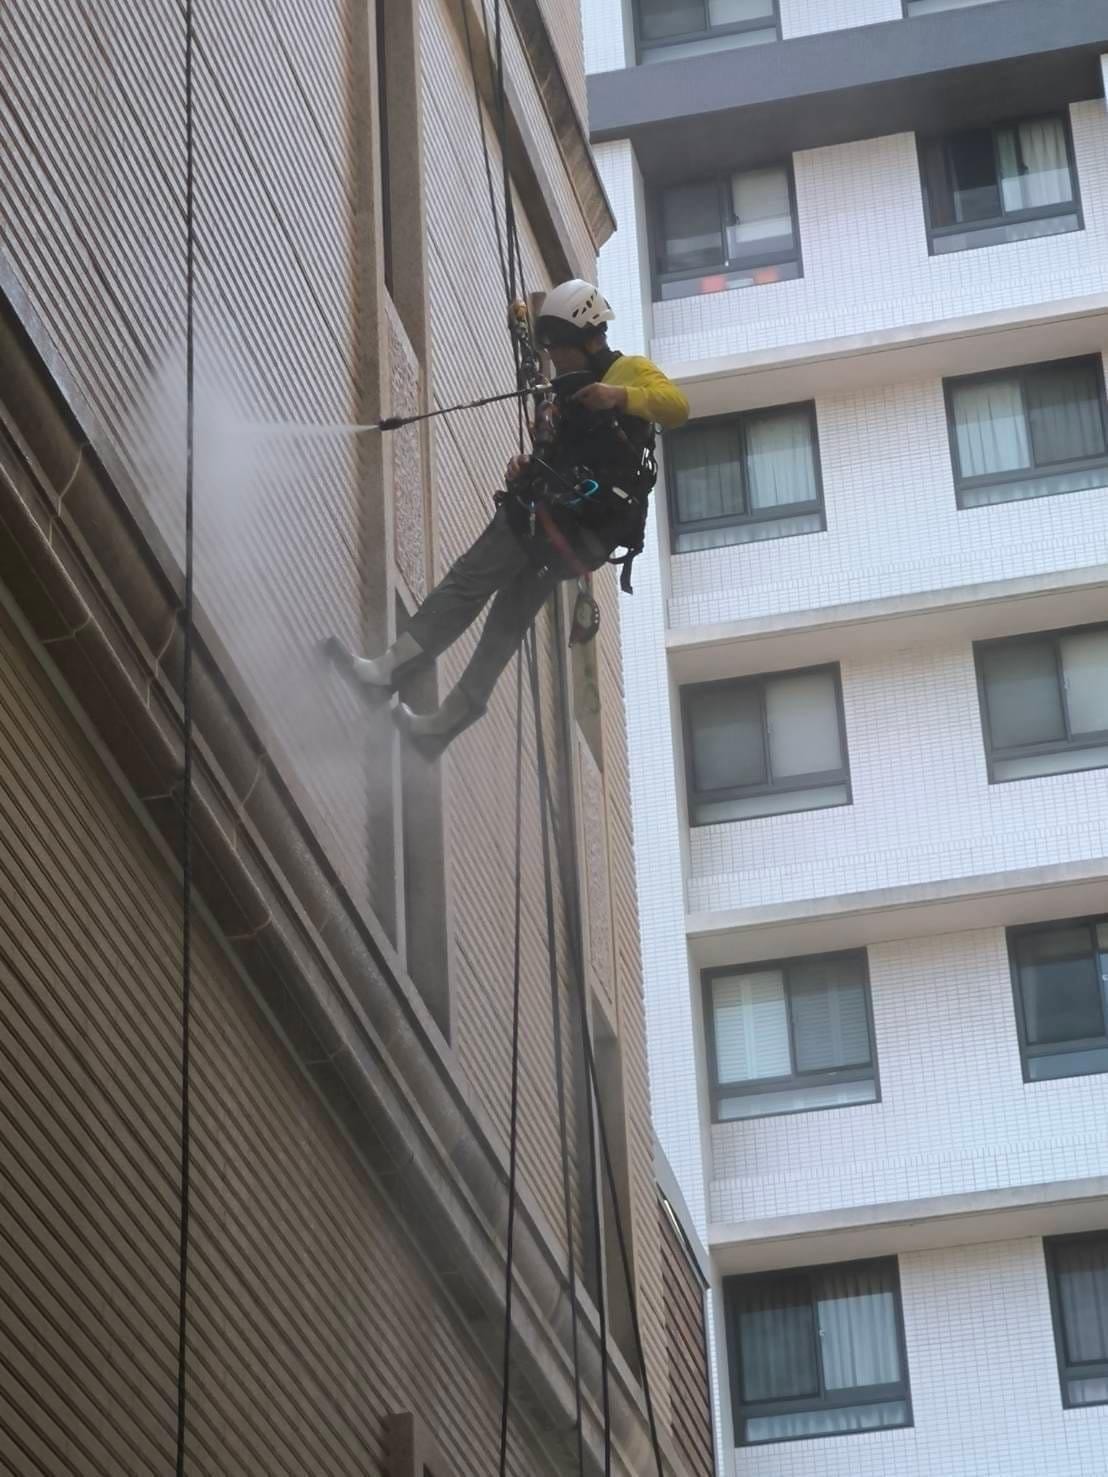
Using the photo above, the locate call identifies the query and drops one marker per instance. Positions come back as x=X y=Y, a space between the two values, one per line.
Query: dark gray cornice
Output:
x=952 y=69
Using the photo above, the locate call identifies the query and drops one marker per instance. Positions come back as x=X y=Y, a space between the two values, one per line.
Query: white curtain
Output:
x=751 y=1026
x=856 y=1312
x=1085 y=673
x=1034 y=166
x=802 y=717
x=990 y=428
x=760 y=199
x=780 y=467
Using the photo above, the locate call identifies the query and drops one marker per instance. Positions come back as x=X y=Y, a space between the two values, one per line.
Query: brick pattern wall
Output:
x=984 y=1380
x=955 y=1114
x=866 y=265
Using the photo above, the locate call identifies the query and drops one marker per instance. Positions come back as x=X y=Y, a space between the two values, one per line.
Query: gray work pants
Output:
x=496 y=565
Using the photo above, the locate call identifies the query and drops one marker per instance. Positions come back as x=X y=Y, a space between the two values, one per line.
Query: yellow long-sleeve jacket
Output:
x=651 y=395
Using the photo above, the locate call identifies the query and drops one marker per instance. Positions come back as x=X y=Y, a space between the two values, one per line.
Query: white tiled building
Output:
x=867 y=680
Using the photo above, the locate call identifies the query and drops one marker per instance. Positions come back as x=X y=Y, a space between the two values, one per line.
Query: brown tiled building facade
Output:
x=353 y=942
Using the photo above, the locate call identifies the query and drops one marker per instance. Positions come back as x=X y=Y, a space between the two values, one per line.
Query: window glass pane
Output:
x=1064 y=413
x=1081 y=1269
x=1022 y=692
x=830 y=1023
x=691 y=227
x=925 y=7
x=796 y=1099
x=973 y=172
x=780 y=465
x=763 y=214
x=989 y=427
x=1059 y=986
x=1067 y=1064
x=880 y=1416
x=731 y=12
x=1058 y=761
x=1089 y=1392
x=802 y=717
x=1085 y=673
x=705 y=467
x=780 y=802
x=856 y=1313
x=777 y=1353
x=711 y=41
x=661 y=18
x=727 y=742
x=1034 y=165
x=751 y=1026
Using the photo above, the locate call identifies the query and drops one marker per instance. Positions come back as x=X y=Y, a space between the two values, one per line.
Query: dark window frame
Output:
x=745 y=792
x=736 y=28
x=1036 y=212
x=1066 y=1371
x=1029 y=1050
x=1049 y=746
x=722 y=182
x=1034 y=472
x=749 y=519
x=826 y=1077
x=742 y=1412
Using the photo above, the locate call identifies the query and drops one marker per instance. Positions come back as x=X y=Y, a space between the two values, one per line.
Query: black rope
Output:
x=186 y=707
x=559 y=1065
x=479 y=107
x=513 y=1134
x=569 y=890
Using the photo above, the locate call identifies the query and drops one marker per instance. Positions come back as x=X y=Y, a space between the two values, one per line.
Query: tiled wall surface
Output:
x=984 y=1382
x=807 y=17
x=866 y=266
x=955 y=1114
x=922 y=806
x=893 y=524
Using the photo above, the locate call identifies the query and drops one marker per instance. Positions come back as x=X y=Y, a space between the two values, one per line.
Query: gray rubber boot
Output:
x=430 y=733
x=380 y=674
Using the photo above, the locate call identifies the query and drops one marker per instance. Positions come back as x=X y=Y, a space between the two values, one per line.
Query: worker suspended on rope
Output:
x=567 y=507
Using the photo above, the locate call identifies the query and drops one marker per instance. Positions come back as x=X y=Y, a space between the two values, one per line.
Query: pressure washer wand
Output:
x=397 y=422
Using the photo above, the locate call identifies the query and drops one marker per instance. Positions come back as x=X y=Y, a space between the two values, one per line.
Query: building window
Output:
x=745 y=478
x=926 y=7
x=988 y=185
x=1060 y=980
x=1044 y=702
x=739 y=231
x=818 y=1352
x=667 y=29
x=763 y=746
x=1028 y=432
x=790 y=1037
x=1078 y=1269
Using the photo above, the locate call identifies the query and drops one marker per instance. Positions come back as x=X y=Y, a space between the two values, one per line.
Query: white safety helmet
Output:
x=576 y=304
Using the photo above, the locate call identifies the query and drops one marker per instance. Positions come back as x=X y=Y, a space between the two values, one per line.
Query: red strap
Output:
x=558 y=541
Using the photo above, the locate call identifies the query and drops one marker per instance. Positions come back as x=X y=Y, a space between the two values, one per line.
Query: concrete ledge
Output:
x=909 y=1225
x=873 y=627
x=858 y=361
x=850 y=920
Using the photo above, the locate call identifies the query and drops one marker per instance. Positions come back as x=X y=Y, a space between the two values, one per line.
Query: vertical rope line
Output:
x=186 y=705
x=560 y=1082
x=594 y=1086
x=513 y=1135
